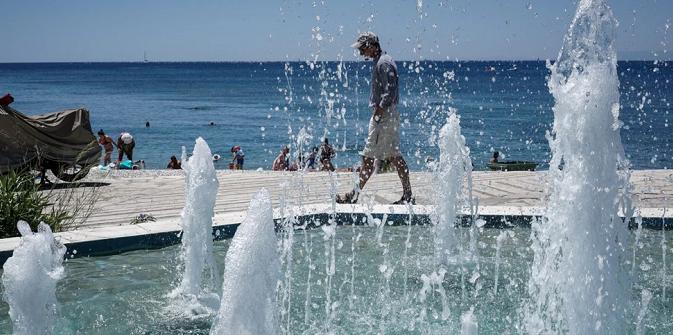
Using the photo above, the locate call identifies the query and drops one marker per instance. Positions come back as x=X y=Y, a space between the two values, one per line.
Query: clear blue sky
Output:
x=251 y=30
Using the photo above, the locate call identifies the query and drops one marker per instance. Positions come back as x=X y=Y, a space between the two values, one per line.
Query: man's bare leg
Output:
x=403 y=173
x=365 y=173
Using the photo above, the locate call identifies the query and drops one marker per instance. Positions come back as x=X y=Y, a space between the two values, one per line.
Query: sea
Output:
x=504 y=106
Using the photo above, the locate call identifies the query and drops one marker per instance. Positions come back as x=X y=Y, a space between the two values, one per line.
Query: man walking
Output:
x=383 y=140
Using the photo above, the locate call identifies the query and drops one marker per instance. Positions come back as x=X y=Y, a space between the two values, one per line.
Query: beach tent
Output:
x=57 y=141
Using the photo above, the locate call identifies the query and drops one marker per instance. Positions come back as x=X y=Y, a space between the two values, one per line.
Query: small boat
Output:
x=512 y=166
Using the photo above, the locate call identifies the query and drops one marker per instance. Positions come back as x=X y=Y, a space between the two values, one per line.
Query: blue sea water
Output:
x=504 y=106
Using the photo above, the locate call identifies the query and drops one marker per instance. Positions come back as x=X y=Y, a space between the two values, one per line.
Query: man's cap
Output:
x=366 y=38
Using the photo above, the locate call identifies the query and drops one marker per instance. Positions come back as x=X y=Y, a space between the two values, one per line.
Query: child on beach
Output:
x=108 y=145
x=239 y=157
x=312 y=157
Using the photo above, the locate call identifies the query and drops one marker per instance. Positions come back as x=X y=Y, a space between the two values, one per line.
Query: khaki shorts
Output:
x=383 y=141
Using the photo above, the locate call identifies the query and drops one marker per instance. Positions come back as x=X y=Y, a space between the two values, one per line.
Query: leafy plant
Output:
x=21 y=199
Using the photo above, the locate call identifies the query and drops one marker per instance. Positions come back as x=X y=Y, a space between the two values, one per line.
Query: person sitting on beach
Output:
x=239 y=157
x=494 y=159
x=282 y=163
x=326 y=155
x=174 y=164
x=125 y=145
x=108 y=145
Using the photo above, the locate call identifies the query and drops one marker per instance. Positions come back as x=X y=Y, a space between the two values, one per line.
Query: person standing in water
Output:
x=383 y=140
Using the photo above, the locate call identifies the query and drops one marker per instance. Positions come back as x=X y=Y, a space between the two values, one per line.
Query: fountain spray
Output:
x=578 y=282
x=196 y=255
x=251 y=275
x=29 y=280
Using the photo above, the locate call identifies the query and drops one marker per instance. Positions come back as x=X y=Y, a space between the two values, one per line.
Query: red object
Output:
x=6 y=100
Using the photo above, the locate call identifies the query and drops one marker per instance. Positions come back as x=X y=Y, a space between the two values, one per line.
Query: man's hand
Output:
x=378 y=113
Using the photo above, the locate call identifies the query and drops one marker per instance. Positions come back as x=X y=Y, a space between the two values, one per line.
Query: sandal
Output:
x=406 y=199
x=348 y=198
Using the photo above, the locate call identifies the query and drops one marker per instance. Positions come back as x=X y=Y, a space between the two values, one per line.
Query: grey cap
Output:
x=366 y=38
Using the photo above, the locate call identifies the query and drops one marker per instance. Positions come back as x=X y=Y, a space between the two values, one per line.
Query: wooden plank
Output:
x=161 y=192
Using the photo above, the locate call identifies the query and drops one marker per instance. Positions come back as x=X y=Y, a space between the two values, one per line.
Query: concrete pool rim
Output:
x=162 y=233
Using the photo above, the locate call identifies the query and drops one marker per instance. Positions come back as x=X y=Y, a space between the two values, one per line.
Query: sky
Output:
x=256 y=30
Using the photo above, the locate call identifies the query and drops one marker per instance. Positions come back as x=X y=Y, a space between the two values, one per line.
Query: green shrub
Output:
x=21 y=199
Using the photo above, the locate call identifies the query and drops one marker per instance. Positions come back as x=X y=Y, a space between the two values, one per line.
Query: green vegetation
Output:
x=21 y=199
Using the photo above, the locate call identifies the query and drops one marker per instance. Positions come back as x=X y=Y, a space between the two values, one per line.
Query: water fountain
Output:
x=252 y=271
x=578 y=282
x=454 y=166
x=29 y=280
x=196 y=293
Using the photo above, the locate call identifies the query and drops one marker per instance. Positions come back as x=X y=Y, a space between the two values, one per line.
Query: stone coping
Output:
x=164 y=232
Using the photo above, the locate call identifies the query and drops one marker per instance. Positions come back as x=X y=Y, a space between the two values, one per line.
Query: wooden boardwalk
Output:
x=122 y=195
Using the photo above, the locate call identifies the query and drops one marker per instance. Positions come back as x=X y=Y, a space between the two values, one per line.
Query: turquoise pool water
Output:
x=126 y=294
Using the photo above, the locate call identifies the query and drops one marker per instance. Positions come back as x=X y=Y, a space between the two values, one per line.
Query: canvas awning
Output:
x=63 y=137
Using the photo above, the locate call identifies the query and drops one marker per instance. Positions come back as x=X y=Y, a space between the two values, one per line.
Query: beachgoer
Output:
x=239 y=157
x=310 y=161
x=174 y=164
x=281 y=163
x=494 y=159
x=108 y=145
x=125 y=145
x=326 y=155
x=147 y=124
x=139 y=165
x=6 y=100
x=383 y=141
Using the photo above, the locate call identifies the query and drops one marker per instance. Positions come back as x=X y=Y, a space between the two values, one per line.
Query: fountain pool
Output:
x=127 y=293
